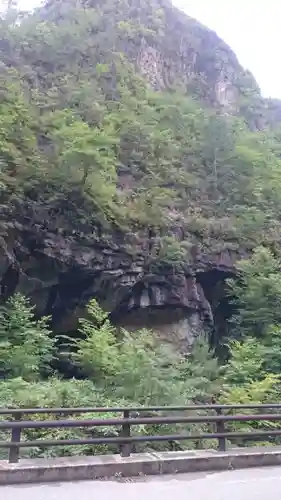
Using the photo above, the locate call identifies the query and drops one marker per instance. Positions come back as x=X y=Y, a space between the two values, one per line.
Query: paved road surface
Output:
x=251 y=484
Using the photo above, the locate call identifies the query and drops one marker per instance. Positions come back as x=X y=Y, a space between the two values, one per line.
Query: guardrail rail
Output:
x=17 y=421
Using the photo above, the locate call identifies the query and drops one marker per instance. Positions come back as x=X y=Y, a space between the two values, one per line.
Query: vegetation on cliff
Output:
x=116 y=368
x=86 y=138
x=90 y=146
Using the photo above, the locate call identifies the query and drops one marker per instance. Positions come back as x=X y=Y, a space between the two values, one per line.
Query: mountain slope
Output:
x=171 y=49
x=134 y=166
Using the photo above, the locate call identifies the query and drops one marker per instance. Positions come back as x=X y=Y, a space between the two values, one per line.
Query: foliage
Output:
x=202 y=371
x=88 y=145
x=131 y=370
x=171 y=254
x=137 y=367
x=246 y=362
x=272 y=349
x=97 y=352
x=247 y=381
x=26 y=346
x=56 y=393
x=257 y=294
x=76 y=119
x=252 y=374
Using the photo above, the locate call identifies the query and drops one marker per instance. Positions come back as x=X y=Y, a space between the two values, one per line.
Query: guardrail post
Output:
x=220 y=429
x=14 y=451
x=126 y=432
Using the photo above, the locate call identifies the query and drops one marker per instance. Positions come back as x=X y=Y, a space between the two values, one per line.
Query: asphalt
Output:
x=247 y=484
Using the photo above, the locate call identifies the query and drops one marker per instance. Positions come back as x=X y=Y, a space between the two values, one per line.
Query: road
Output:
x=250 y=484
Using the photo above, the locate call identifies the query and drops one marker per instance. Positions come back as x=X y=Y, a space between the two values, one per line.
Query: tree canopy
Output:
x=79 y=123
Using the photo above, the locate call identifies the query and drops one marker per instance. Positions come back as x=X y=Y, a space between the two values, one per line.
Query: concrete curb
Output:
x=106 y=466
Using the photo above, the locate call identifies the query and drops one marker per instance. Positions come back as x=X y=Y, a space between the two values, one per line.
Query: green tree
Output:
x=98 y=351
x=137 y=367
x=246 y=362
x=256 y=294
x=86 y=157
x=17 y=137
x=201 y=371
x=272 y=347
x=130 y=366
x=26 y=344
x=245 y=380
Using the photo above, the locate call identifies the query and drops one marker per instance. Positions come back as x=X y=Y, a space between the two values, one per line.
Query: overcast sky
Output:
x=251 y=27
x=253 y=30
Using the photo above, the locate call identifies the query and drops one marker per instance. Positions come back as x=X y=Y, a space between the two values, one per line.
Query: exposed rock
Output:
x=163 y=70
x=61 y=274
x=179 y=327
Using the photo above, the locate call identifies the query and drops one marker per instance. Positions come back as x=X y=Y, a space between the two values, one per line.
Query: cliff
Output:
x=138 y=164
x=171 y=49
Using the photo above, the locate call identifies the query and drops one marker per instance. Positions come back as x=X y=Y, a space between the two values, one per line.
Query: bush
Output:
x=246 y=381
x=56 y=393
x=124 y=370
x=138 y=367
x=26 y=345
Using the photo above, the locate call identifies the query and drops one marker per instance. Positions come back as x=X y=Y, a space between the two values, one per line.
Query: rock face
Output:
x=170 y=49
x=61 y=274
x=192 y=57
x=61 y=271
x=213 y=77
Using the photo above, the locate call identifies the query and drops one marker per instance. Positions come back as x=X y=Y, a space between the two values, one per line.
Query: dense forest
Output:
x=106 y=164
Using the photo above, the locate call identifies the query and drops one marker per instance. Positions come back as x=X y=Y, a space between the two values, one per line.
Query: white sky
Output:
x=252 y=28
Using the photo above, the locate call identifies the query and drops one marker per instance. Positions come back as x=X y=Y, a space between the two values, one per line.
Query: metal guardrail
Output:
x=132 y=417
